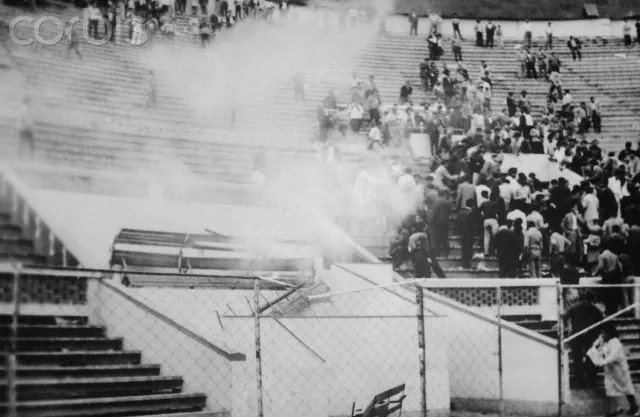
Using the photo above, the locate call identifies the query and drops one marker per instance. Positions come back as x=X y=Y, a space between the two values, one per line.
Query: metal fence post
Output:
x=256 y=319
x=500 y=375
x=421 y=350
x=11 y=358
x=560 y=347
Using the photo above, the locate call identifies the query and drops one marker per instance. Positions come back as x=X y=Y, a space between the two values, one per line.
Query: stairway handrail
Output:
x=604 y=320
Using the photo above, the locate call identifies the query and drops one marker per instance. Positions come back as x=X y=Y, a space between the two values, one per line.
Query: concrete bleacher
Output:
x=75 y=369
x=100 y=122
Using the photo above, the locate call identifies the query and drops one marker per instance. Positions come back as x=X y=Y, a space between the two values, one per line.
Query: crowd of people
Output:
x=591 y=227
x=142 y=20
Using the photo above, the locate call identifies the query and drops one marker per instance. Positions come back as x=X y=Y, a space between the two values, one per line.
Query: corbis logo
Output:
x=50 y=30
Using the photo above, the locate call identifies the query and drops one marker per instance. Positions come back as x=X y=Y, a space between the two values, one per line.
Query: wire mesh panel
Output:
x=472 y=352
x=330 y=354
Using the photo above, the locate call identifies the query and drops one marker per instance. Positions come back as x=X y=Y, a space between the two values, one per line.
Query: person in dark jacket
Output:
x=405 y=92
x=508 y=251
x=424 y=261
x=466 y=227
x=511 y=105
x=440 y=224
x=580 y=317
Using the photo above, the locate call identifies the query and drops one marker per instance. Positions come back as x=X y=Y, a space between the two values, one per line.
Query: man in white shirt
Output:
x=440 y=174
x=506 y=192
x=93 y=13
x=618 y=186
x=549 y=35
x=517 y=214
x=590 y=204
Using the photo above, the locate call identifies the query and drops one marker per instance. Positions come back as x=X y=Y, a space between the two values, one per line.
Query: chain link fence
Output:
x=264 y=348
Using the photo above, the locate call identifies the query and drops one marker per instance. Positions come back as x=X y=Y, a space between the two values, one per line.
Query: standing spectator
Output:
x=456 y=49
x=413 y=23
x=71 y=36
x=455 y=22
x=534 y=249
x=530 y=64
x=594 y=109
x=490 y=32
x=523 y=102
x=420 y=258
x=238 y=10
x=638 y=30
x=554 y=63
x=440 y=223
x=581 y=316
x=435 y=22
x=405 y=92
x=181 y=6
x=626 y=33
x=467 y=226
x=499 y=37
x=549 y=35
x=25 y=129
x=591 y=206
x=508 y=252
x=528 y=33
x=466 y=191
x=479 y=31
x=575 y=46
x=424 y=75
x=356 y=113
x=609 y=269
x=490 y=213
x=94 y=16
x=205 y=32
x=511 y=104
x=372 y=104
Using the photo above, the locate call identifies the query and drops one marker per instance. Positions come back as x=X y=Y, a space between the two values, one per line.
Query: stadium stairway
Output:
x=65 y=366
x=13 y=246
x=627 y=326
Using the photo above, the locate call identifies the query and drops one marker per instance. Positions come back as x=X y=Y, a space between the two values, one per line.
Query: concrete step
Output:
x=79 y=358
x=48 y=320
x=89 y=371
x=68 y=344
x=110 y=406
x=40 y=389
x=45 y=331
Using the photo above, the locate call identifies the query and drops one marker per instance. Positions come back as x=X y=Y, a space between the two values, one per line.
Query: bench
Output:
x=383 y=404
